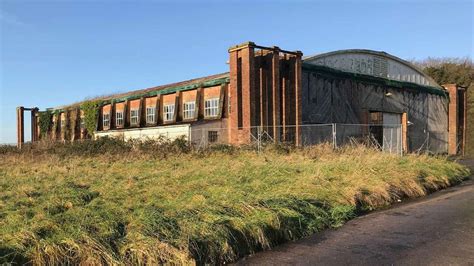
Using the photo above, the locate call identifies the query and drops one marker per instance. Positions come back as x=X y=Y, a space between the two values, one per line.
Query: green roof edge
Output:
x=205 y=84
x=374 y=80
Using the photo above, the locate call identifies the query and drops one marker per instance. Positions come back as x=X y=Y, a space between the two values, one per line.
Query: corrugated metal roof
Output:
x=376 y=54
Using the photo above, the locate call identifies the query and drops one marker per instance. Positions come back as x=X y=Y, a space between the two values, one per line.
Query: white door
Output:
x=392 y=141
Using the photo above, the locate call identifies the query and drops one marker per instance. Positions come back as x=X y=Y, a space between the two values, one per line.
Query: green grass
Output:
x=193 y=207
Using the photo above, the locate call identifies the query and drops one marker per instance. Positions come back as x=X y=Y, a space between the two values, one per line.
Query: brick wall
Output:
x=265 y=92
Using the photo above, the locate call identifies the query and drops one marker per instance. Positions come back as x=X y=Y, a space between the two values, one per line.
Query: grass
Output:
x=138 y=207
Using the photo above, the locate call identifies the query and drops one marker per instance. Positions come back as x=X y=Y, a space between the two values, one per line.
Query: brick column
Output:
x=276 y=93
x=34 y=124
x=242 y=84
x=405 y=132
x=453 y=123
x=233 y=96
x=248 y=85
x=20 y=126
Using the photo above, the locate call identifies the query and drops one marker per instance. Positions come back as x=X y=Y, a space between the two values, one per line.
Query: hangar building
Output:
x=288 y=97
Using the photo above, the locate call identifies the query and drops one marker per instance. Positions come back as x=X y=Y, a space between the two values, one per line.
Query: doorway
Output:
x=386 y=130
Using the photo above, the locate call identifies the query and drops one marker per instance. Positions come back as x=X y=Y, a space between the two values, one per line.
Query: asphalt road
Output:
x=435 y=230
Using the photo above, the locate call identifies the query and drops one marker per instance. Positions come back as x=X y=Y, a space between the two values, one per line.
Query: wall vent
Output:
x=380 y=67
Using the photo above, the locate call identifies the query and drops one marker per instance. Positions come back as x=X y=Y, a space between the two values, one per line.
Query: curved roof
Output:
x=374 y=63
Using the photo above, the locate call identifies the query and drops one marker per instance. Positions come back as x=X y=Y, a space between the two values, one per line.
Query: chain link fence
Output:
x=387 y=138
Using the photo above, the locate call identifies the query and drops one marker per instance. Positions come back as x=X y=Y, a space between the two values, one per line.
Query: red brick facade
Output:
x=265 y=91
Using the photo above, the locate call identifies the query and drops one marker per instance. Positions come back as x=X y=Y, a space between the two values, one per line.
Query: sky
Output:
x=58 y=52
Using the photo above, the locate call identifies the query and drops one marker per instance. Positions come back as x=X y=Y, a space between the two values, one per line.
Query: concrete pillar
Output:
x=20 y=126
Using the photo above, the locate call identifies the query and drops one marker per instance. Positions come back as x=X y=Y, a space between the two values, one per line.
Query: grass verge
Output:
x=135 y=207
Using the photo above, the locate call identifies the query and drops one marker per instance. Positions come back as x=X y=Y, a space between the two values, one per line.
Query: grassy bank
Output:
x=139 y=208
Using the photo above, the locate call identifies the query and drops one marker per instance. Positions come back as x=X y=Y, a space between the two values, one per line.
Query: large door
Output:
x=392 y=132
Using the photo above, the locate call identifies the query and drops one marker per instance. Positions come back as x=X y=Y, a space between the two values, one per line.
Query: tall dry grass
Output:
x=139 y=206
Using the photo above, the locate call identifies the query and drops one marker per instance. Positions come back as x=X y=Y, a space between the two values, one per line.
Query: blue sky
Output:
x=59 y=52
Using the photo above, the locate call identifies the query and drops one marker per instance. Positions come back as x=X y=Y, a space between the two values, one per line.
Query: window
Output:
x=212 y=136
x=119 y=119
x=150 y=115
x=188 y=110
x=134 y=117
x=168 y=112
x=211 y=107
x=106 y=120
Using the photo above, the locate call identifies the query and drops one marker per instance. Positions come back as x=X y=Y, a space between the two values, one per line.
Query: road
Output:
x=435 y=230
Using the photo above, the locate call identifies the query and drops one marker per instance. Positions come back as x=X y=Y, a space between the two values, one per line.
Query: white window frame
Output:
x=106 y=120
x=211 y=107
x=168 y=112
x=119 y=118
x=189 y=110
x=150 y=114
x=134 y=117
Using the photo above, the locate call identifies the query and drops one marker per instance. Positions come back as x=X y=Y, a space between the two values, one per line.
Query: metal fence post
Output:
x=334 y=136
x=259 y=139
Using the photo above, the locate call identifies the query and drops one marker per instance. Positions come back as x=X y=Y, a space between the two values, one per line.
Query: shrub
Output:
x=91 y=115
x=45 y=121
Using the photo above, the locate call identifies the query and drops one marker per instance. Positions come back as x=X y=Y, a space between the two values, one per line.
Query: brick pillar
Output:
x=233 y=97
x=242 y=84
x=82 y=129
x=20 y=126
x=276 y=93
x=34 y=125
x=405 y=132
x=222 y=100
x=248 y=85
x=142 y=112
x=198 y=106
x=126 y=114
x=283 y=101
x=112 y=115
x=64 y=124
x=298 y=99
x=176 y=107
x=453 y=121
